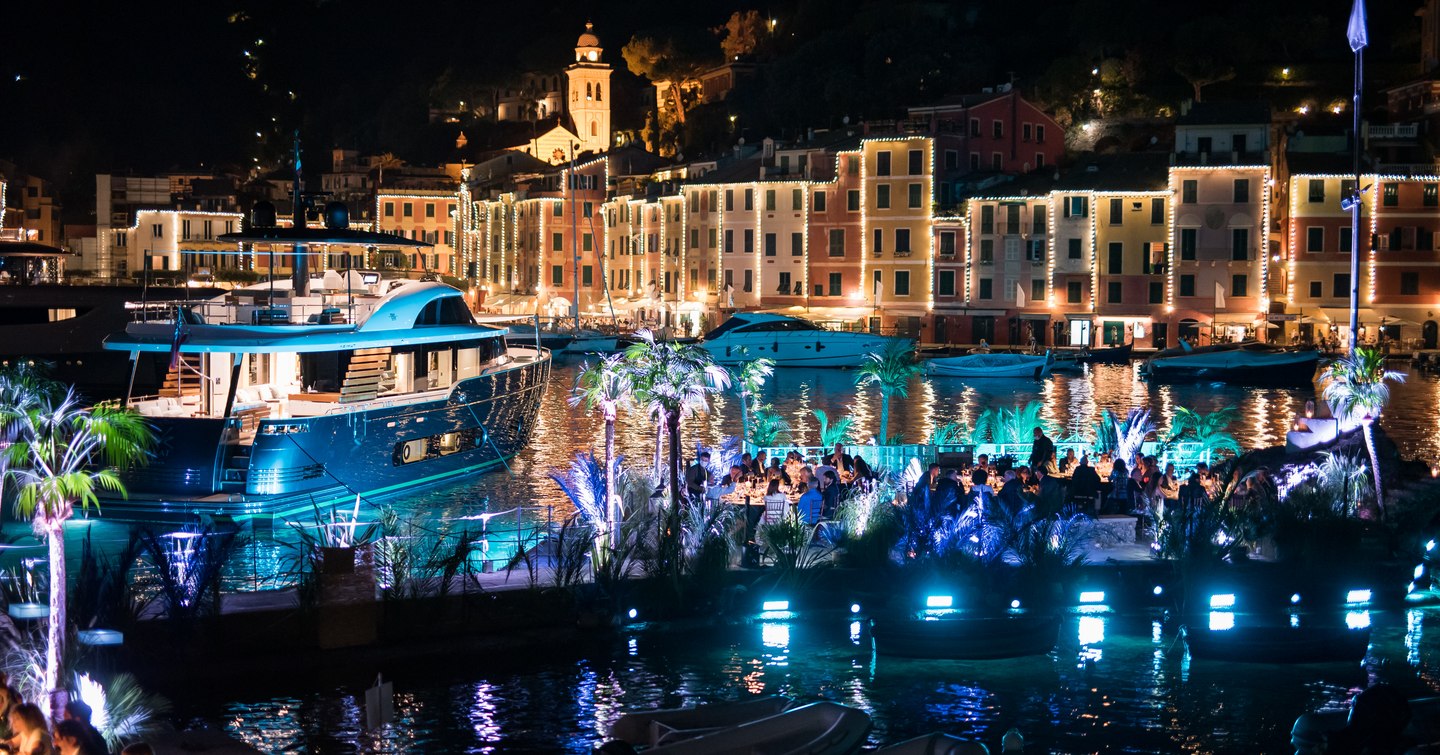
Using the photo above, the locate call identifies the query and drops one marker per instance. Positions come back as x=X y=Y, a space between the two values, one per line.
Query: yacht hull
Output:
x=297 y=464
x=1236 y=366
x=806 y=349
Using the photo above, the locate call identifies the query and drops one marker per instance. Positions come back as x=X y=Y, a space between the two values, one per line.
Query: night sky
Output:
x=151 y=86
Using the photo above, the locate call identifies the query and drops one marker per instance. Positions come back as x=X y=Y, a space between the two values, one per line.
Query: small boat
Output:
x=651 y=728
x=961 y=637
x=791 y=342
x=1278 y=644
x=1311 y=729
x=935 y=744
x=823 y=728
x=988 y=365
x=1244 y=363
x=1113 y=355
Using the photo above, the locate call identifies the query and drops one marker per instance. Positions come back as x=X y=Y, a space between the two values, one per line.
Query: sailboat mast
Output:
x=300 y=263
x=574 y=238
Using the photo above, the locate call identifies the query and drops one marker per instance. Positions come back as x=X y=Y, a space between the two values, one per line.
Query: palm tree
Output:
x=606 y=384
x=891 y=371
x=1355 y=388
x=767 y=428
x=836 y=434
x=380 y=162
x=746 y=382
x=673 y=381
x=1211 y=431
x=58 y=454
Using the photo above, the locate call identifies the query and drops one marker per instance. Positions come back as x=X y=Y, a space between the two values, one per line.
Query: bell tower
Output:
x=588 y=97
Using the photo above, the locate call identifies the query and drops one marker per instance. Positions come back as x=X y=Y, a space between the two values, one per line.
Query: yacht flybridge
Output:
x=274 y=406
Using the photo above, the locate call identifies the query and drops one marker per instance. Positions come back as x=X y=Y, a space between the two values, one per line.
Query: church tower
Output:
x=588 y=98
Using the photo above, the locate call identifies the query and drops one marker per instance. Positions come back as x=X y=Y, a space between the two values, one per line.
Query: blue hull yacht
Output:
x=270 y=408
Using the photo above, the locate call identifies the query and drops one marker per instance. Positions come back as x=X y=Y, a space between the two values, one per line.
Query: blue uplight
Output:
x=775 y=605
x=939 y=601
x=1015 y=604
x=854 y=608
x=1357 y=596
x=633 y=613
x=1092 y=596
x=1294 y=598
x=1221 y=621
x=1224 y=600
x=1158 y=590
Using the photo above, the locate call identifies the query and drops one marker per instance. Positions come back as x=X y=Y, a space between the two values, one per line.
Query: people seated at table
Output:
x=862 y=470
x=757 y=467
x=1067 y=463
x=841 y=461
x=1085 y=484
x=775 y=502
x=829 y=493
x=1119 y=501
x=920 y=493
x=811 y=504
x=1012 y=494
x=981 y=494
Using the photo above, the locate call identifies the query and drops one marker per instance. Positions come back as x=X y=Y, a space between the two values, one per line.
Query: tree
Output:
x=1355 y=387
x=890 y=371
x=741 y=33
x=606 y=384
x=747 y=382
x=1211 y=431
x=56 y=455
x=380 y=162
x=672 y=60
x=673 y=381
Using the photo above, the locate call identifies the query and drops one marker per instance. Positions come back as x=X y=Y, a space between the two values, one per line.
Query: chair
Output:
x=775 y=509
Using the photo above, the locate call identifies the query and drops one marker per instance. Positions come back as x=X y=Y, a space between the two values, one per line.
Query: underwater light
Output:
x=1014 y=604
x=1221 y=621
x=939 y=601
x=633 y=613
x=1419 y=571
x=1430 y=546
x=1224 y=600
x=1357 y=619
x=775 y=605
x=1158 y=590
x=854 y=608
x=1294 y=598
x=1092 y=596
x=1357 y=596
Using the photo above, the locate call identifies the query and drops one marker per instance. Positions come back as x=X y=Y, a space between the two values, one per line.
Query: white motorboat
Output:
x=791 y=342
x=988 y=365
x=935 y=744
x=652 y=728
x=823 y=728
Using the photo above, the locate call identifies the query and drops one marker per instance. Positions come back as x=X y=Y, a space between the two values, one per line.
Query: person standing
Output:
x=697 y=476
x=1042 y=452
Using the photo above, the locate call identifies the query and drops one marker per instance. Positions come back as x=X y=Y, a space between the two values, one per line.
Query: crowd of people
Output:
x=24 y=731
x=813 y=486
x=1050 y=482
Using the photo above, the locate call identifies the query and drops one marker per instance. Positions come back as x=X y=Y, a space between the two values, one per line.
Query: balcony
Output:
x=902 y=253
x=1394 y=131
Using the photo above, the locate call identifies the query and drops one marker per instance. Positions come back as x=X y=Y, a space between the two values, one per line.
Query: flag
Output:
x=1019 y=296
x=1219 y=296
x=178 y=338
x=1355 y=31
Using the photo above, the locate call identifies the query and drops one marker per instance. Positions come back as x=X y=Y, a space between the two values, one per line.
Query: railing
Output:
x=224 y=312
x=1394 y=131
x=895 y=458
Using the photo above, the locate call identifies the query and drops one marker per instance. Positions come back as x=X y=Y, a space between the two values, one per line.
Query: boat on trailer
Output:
x=270 y=410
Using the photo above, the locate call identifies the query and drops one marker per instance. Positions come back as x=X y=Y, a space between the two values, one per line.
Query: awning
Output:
x=1341 y=315
x=1079 y=316
x=825 y=314
x=1034 y=315
x=1235 y=319
x=510 y=303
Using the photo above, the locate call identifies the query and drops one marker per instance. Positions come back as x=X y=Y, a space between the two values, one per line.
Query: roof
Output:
x=1224 y=113
x=1126 y=171
x=737 y=171
x=1319 y=162
x=954 y=101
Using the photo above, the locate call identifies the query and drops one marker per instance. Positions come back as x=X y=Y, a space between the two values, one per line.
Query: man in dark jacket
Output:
x=697 y=476
x=1085 y=484
x=1042 y=453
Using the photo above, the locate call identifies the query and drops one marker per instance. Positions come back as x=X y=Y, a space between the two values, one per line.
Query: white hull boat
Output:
x=652 y=728
x=987 y=365
x=816 y=729
x=935 y=744
x=791 y=342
